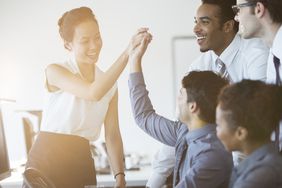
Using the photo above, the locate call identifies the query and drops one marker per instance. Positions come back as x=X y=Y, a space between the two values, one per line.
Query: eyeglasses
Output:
x=236 y=8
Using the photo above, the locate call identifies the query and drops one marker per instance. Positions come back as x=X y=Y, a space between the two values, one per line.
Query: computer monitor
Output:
x=5 y=170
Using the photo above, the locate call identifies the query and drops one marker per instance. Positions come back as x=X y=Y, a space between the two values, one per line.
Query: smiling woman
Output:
x=80 y=98
x=28 y=52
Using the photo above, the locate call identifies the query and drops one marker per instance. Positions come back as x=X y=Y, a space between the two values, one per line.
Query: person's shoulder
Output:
x=253 y=44
x=206 y=56
x=254 y=51
x=273 y=160
x=58 y=65
x=203 y=62
x=212 y=149
x=209 y=143
x=269 y=169
x=99 y=72
x=268 y=166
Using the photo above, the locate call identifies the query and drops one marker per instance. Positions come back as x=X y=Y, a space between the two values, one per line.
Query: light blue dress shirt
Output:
x=207 y=164
x=244 y=59
x=276 y=50
x=262 y=169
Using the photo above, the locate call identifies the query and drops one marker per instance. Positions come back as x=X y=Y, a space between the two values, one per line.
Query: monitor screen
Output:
x=4 y=160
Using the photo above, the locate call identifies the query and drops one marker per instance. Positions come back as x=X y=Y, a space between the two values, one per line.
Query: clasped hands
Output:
x=139 y=43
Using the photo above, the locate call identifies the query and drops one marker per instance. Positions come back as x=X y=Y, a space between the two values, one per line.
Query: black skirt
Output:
x=65 y=159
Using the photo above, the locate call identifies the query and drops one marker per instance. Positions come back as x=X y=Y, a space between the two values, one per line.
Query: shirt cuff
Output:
x=136 y=78
x=156 y=180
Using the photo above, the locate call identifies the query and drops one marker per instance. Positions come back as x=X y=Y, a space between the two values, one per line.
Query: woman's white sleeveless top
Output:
x=65 y=113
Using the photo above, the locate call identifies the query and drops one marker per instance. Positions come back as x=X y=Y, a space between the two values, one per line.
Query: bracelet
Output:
x=119 y=173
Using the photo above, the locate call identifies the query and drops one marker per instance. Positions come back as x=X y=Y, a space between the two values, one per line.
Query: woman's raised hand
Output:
x=139 y=43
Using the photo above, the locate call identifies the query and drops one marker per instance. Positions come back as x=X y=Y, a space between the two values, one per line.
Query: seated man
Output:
x=201 y=160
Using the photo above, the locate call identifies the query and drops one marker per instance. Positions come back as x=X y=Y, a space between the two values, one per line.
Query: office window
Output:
x=184 y=51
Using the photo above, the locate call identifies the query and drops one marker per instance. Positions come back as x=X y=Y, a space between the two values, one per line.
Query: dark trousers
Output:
x=65 y=159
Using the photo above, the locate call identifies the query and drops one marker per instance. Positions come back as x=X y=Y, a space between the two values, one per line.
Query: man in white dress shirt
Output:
x=217 y=37
x=263 y=19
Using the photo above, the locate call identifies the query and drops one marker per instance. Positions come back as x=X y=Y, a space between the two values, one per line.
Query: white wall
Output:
x=29 y=40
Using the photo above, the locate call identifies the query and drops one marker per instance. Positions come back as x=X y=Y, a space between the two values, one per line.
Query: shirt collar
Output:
x=198 y=133
x=230 y=52
x=257 y=155
x=276 y=46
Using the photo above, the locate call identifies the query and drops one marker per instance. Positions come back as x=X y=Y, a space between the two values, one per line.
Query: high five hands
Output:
x=139 y=44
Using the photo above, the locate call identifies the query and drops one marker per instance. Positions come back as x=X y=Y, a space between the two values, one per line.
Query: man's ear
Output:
x=67 y=45
x=241 y=133
x=193 y=107
x=259 y=9
x=228 y=26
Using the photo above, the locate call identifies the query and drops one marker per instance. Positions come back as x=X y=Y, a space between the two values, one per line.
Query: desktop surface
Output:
x=134 y=178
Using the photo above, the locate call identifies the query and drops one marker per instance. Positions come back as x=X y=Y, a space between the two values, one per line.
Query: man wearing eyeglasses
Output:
x=224 y=52
x=263 y=19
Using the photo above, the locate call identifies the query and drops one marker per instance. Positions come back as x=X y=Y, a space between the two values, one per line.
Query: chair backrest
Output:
x=28 y=134
x=33 y=178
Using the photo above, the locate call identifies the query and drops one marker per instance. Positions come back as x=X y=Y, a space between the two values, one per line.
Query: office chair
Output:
x=29 y=133
x=33 y=178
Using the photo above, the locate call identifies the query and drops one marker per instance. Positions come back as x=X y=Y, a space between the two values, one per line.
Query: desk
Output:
x=136 y=178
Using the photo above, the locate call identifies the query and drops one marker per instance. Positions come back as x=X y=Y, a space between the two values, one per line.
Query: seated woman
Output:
x=80 y=99
x=247 y=114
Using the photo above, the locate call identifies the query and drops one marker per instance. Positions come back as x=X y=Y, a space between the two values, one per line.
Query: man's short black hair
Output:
x=203 y=87
x=226 y=12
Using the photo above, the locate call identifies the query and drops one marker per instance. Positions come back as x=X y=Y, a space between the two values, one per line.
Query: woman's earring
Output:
x=67 y=46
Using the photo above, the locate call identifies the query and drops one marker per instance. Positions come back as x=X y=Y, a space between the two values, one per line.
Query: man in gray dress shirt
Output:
x=201 y=160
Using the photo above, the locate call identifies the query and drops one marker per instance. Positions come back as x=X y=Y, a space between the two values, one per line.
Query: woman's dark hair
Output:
x=253 y=105
x=203 y=88
x=71 y=19
x=226 y=12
